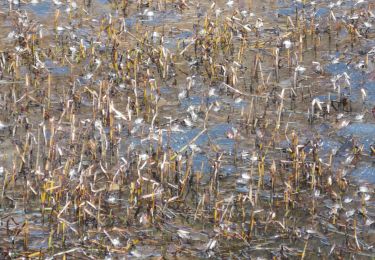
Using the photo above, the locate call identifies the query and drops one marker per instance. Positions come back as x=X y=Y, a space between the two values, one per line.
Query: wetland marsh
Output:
x=187 y=129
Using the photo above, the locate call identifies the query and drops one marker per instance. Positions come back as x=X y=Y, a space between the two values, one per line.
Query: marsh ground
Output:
x=176 y=129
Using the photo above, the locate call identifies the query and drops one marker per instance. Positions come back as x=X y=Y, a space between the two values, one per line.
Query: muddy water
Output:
x=140 y=129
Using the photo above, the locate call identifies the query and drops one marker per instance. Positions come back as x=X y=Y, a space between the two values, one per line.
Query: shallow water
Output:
x=142 y=130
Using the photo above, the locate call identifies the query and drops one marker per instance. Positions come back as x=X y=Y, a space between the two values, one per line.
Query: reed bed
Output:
x=162 y=129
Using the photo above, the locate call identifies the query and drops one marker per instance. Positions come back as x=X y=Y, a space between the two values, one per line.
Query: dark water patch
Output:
x=226 y=144
x=171 y=42
x=55 y=69
x=215 y=135
x=43 y=8
x=356 y=78
x=369 y=86
x=201 y=163
x=166 y=90
x=180 y=139
x=289 y=9
x=191 y=101
x=322 y=128
x=227 y=170
x=322 y=11
x=130 y=22
x=358 y=129
x=363 y=132
x=286 y=12
x=184 y=35
x=337 y=68
x=328 y=146
x=102 y=2
x=364 y=173
x=219 y=130
x=242 y=188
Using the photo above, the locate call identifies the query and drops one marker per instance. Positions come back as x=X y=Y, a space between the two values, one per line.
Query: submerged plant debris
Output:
x=204 y=129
